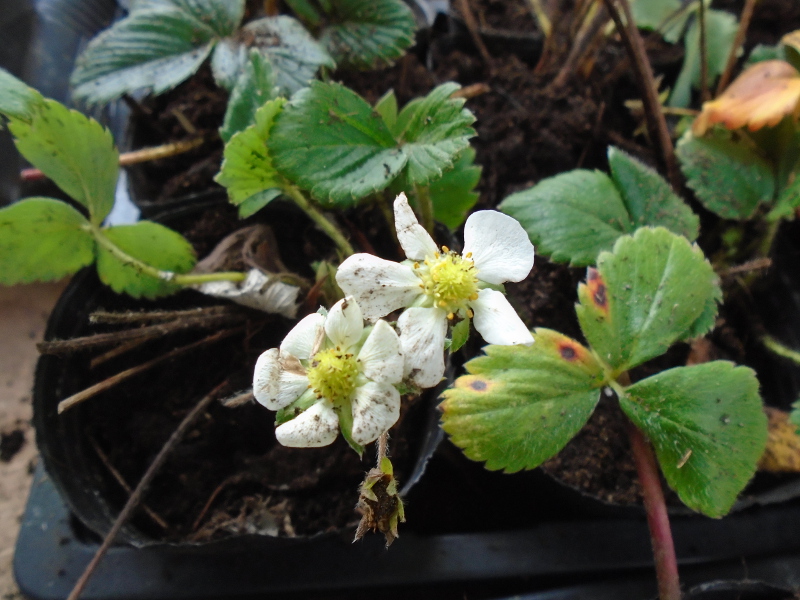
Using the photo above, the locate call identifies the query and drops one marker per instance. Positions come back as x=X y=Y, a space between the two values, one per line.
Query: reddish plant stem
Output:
x=669 y=586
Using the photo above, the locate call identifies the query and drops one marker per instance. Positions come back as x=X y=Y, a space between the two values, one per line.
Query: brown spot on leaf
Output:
x=475 y=383
x=596 y=287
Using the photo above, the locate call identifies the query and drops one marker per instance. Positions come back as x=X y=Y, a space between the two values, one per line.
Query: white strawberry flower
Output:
x=340 y=372
x=437 y=285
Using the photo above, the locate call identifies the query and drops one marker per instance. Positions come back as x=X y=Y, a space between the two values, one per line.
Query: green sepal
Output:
x=459 y=335
x=247 y=171
x=296 y=408
x=520 y=405
x=727 y=173
x=654 y=289
x=76 y=152
x=149 y=243
x=42 y=239
x=17 y=99
x=345 y=413
x=708 y=428
x=255 y=85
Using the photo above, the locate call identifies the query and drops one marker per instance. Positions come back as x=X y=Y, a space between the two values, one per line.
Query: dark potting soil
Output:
x=527 y=130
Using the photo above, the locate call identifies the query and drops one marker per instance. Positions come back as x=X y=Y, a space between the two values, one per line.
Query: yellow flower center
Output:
x=332 y=374
x=450 y=280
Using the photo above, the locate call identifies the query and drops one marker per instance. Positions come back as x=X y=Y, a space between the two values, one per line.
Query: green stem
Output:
x=769 y=237
x=320 y=219
x=187 y=279
x=775 y=346
x=425 y=206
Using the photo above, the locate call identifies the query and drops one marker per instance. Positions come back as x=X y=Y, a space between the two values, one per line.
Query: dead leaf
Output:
x=782 y=454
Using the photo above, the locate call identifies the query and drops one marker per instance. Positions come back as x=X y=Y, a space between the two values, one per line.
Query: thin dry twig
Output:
x=472 y=91
x=474 y=31
x=656 y=123
x=141 y=487
x=124 y=484
x=751 y=265
x=115 y=352
x=744 y=24
x=583 y=41
x=114 y=380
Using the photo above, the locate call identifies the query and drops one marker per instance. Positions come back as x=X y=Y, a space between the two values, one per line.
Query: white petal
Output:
x=422 y=332
x=497 y=321
x=266 y=377
x=499 y=245
x=379 y=286
x=291 y=387
x=416 y=242
x=303 y=340
x=318 y=426
x=344 y=324
x=380 y=357
x=376 y=407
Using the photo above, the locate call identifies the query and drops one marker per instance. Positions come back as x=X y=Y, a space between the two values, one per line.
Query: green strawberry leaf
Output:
x=520 y=405
x=386 y=107
x=648 y=197
x=247 y=170
x=17 y=99
x=42 y=239
x=571 y=217
x=76 y=152
x=149 y=243
x=254 y=87
x=708 y=428
x=788 y=201
x=727 y=173
x=654 y=289
x=453 y=193
x=156 y=47
x=365 y=34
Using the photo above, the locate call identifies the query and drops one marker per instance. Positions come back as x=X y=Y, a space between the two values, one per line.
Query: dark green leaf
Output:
x=42 y=239
x=76 y=152
x=453 y=194
x=161 y=43
x=254 y=87
x=654 y=289
x=728 y=175
x=520 y=405
x=787 y=203
x=247 y=170
x=305 y=11
x=708 y=428
x=648 y=198
x=149 y=243
x=572 y=216
x=17 y=99
x=364 y=34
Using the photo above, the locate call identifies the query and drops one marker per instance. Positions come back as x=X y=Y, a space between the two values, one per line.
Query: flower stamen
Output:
x=332 y=374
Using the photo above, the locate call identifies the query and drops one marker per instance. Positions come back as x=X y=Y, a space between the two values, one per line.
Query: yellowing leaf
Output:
x=760 y=97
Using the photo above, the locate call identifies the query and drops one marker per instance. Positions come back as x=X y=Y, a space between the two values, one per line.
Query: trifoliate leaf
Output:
x=727 y=173
x=76 y=152
x=42 y=239
x=654 y=289
x=157 y=46
x=254 y=87
x=365 y=34
x=149 y=243
x=520 y=405
x=571 y=217
x=247 y=170
x=295 y=56
x=453 y=193
x=17 y=99
x=648 y=197
x=708 y=428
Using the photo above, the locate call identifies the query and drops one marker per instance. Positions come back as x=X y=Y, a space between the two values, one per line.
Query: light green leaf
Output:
x=452 y=195
x=386 y=107
x=787 y=203
x=727 y=174
x=295 y=56
x=433 y=131
x=520 y=405
x=42 y=239
x=572 y=216
x=331 y=142
x=157 y=46
x=459 y=335
x=654 y=289
x=708 y=428
x=763 y=52
x=648 y=198
x=365 y=34
x=150 y=243
x=661 y=15
x=76 y=152
x=721 y=27
x=254 y=87
x=17 y=99
x=247 y=172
